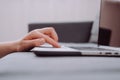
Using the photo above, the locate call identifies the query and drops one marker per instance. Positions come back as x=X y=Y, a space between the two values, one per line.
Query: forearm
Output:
x=33 y=39
x=7 y=48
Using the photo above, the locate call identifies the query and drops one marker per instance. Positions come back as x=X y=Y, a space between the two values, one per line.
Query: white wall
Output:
x=15 y=15
x=12 y=19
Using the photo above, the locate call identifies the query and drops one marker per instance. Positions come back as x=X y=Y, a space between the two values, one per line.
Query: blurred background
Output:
x=15 y=15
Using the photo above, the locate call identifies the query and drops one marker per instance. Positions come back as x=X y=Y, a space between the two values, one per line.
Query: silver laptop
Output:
x=98 y=47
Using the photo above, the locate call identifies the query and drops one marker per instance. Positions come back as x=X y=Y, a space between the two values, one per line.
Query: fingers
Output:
x=50 y=32
x=51 y=41
x=32 y=35
x=38 y=42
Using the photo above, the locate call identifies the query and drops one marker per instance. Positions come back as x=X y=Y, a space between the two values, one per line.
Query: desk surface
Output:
x=26 y=66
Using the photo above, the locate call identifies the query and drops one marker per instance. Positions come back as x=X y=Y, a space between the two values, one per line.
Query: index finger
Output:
x=50 y=41
x=50 y=31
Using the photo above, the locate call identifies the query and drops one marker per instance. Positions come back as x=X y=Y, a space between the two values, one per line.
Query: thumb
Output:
x=36 y=42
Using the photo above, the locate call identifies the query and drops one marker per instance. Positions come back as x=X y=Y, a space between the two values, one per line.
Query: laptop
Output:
x=83 y=49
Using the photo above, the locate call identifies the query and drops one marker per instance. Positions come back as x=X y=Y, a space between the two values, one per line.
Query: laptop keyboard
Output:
x=87 y=46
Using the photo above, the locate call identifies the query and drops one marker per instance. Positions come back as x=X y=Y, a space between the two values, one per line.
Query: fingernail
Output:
x=58 y=46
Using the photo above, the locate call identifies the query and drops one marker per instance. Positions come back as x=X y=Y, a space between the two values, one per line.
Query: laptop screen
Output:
x=109 y=23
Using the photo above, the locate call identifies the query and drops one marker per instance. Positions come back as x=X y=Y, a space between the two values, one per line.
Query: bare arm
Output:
x=32 y=39
x=6 y=48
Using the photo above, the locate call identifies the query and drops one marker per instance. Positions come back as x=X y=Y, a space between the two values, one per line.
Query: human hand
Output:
x=38 y=37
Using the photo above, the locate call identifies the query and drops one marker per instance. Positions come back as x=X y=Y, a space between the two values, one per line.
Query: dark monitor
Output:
x=72 y=32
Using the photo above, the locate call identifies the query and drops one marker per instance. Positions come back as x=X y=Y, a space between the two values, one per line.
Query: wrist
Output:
x=14 y=46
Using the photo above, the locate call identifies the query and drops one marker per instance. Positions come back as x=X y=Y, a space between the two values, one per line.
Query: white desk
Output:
x=26 y=66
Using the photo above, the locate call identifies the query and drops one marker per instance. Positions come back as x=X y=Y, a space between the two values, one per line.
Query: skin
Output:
x=33 y=39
